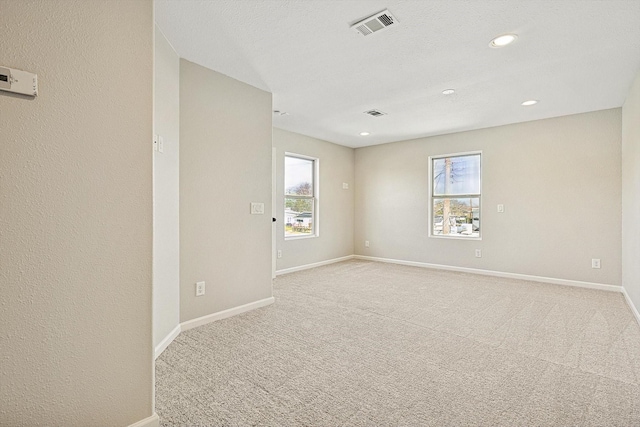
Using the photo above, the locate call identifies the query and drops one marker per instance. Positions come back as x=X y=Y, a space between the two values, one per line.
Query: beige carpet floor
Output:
x=370 y=344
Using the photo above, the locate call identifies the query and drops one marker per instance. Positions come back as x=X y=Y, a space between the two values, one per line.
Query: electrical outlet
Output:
x=200 y=289
x=155 y=142
x=279 y=253
x=366 y=243
x=345 y=186
x=478 y=253
x=595 y=263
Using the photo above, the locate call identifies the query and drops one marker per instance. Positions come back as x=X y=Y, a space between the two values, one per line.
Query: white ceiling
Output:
x=573 y=55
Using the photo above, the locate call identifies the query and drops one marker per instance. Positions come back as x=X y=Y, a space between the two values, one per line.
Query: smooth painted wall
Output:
x=631 y=193
x=225 y=164
x=336 y=166
x=166 y=190
x=76 y=215
x=559 y=181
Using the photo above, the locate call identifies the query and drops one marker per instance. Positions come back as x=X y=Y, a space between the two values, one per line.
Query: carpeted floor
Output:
x=369 y=344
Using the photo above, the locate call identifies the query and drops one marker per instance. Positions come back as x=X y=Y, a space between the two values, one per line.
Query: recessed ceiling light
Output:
x=529 y=102
x=364 y=134
x=503 y=40
x=448 y=91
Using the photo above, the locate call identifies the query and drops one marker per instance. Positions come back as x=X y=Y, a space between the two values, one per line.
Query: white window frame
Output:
x=432 y=197
x=315 y=197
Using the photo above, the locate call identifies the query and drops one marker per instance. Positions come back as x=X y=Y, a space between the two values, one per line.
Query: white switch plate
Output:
x=279 y=253
x=200 y=289
x=345 y=186
x=366 y=243
x=500 y=208
x=478 y=253
x=257 y=208
x=595 y=263
x=160 y=144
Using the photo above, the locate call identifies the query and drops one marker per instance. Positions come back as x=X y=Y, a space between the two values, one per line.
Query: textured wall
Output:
x=336 y=205
x=76 y=215
x=631 y=193
x=225 y=164
x=166 y=191
x=559 y=180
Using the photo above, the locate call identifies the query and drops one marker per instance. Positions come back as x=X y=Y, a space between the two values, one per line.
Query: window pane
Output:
x=456 y=217
x=298 y=176
x=456 y=175
x=298 y=217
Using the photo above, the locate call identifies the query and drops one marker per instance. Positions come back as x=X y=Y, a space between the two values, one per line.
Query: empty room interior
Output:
x=319 y=213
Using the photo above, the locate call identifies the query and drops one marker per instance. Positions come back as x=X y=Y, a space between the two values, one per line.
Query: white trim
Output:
x=300 y=237
x=193 y=323
x=632 y=306
x=152 y=421
x=565 y=282
x=314 y=265
x=167 y=340
x=274 y=214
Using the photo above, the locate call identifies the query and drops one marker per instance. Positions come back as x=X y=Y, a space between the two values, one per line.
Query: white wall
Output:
x=631 y=193
x=336 y=204
x=559 y=180
x=166 y=190
x=76 y=215
x=225 y=164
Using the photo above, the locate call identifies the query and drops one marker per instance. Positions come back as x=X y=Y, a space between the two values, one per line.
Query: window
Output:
x=455 y=195
x=300 y=196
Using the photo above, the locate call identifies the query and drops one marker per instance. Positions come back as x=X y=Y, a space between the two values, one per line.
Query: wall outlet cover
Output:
x=200 y=289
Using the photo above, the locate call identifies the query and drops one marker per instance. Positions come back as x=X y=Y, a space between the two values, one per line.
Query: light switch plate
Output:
x=345 y=186
x=160 y=144
x=257 y=208
x=501 y=208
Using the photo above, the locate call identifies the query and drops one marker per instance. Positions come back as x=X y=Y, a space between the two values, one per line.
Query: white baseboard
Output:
x=190 y=324
x=152 y=421
x=167 y=340
x=314 y=265
x=632 y=306
x=565 y=282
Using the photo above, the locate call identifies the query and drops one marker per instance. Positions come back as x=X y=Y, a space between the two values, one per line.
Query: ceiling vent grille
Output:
x=374 y=23
x=375 y=113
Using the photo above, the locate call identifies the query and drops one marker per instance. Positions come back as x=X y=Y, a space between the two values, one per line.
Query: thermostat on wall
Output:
x=18 y=81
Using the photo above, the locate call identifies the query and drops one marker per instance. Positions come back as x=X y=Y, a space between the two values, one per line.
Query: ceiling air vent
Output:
x=374 y=23
x=375 y=113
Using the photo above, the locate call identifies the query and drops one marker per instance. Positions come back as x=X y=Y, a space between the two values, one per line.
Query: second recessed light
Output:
x=503 y=40
x=529 y=103
x=448 y=92
x=364 y=134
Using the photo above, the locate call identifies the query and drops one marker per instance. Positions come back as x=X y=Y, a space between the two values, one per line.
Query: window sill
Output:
x=300 y=237
x=455 y=237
